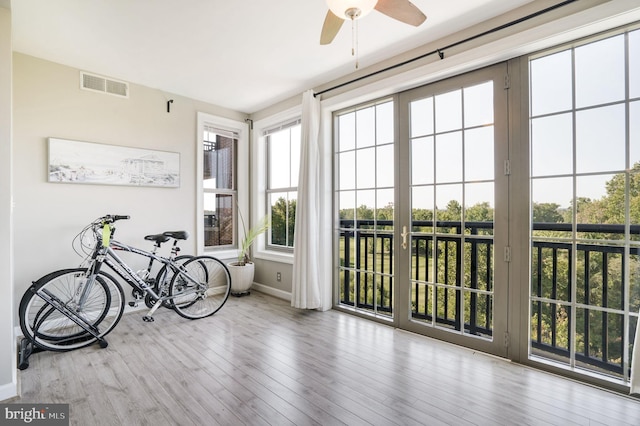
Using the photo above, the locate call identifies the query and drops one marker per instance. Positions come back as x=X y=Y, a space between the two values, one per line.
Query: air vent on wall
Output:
x=98 y=83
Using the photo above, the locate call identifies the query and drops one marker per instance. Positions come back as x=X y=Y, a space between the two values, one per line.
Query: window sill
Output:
x=225 y=255
x=274 y=256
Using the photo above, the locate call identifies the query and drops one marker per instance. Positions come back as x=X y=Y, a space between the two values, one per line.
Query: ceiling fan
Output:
x=341 y=10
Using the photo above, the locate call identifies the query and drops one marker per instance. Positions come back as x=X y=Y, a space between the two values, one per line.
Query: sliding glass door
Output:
x=421 y=194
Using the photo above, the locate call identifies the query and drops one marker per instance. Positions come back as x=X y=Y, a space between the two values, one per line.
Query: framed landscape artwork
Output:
x=93 y=163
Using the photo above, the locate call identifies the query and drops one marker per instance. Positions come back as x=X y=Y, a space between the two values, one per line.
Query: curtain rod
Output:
x=441 y=50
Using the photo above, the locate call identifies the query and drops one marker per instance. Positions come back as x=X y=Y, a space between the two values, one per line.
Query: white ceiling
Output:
x=240 y=54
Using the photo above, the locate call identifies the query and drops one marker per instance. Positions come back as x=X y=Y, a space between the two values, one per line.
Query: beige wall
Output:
x=48 y=102
x=7 y=347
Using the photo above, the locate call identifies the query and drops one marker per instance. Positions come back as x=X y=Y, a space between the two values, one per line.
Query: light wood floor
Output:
x=260 y=362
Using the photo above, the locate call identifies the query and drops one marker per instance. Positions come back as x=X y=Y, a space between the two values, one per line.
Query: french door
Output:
x=421 y=193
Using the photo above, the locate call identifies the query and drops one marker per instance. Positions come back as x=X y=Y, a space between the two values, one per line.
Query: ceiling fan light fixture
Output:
x=351 y=9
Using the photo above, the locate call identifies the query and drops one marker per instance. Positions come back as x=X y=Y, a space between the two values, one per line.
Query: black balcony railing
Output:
x=367 y=282
x=368 y=242
x=600 y=295
x=372 y=275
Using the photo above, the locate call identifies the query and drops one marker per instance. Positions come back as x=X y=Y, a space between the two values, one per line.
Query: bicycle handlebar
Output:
x=112 y=218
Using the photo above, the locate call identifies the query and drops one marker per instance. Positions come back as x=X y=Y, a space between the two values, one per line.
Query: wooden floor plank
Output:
x=260 y=362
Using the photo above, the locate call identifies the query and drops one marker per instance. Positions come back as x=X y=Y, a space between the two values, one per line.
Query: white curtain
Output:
x=635 y=363
x=308 y=264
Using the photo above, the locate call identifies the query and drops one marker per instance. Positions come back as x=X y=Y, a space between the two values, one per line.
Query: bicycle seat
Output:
x=178 y=235
x=158 y=238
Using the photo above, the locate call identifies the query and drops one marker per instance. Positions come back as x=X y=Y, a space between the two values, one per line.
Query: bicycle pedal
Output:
x=133 y=304
x=147 y=318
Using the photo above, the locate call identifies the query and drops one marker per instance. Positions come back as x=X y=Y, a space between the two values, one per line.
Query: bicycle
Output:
x=73 y=308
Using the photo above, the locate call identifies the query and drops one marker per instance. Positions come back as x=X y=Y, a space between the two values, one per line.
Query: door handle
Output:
x=404 y=237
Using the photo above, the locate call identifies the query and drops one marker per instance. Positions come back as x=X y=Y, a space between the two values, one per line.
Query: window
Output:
x=221 y=168
x=219 y=186
x=282 y=144
x=585 y=193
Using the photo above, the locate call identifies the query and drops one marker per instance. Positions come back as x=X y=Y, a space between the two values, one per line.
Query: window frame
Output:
x=572 y=365
x=260 y=208
x=286 y=125
x=241 y=179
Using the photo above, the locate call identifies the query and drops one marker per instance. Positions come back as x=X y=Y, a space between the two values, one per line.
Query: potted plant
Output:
x=243 y=269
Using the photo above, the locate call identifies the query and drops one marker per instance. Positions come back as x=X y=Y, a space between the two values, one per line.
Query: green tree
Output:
x=480 y=212
x=547 y=213
x=364 y=213
x=283 y=217
x=615 y=199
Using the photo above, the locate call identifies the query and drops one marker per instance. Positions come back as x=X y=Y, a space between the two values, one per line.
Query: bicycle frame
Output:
x=120 y=267
x=107 y=255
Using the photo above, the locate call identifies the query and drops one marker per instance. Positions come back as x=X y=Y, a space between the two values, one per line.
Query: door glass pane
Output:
x=479 y=207
x=478 y=154
x=448 y=111
x=365 y=127
x=449 y=208
x=365 y=170
x=422 y=208
x=384 y=166
x=365 y=208
x=422 y=163
x=347 y=208
x=478 y=105
x=384 y=208
x=347 y=162
x=384 y=123
x=449 y=157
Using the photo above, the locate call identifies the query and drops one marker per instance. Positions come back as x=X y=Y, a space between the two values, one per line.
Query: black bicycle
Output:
x=73 y=308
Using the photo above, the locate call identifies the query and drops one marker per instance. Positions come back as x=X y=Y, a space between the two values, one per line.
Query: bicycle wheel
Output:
x=50 y=329
x=200 y=288
x=163 y=279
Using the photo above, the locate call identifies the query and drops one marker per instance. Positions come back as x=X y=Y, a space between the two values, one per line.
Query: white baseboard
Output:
x=280 y=294
x=8 y=391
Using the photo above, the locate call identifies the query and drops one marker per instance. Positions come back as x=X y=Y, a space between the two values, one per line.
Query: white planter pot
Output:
x=241 y=277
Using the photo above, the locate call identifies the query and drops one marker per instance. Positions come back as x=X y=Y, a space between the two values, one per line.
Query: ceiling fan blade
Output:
x=330 y=28
x=402 y=10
